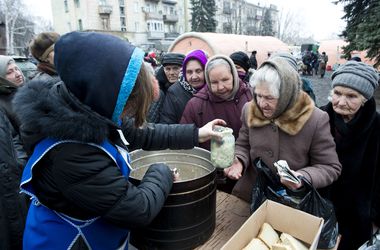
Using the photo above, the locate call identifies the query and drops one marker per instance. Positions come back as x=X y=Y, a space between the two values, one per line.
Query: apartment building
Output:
x=146 y=23
x=151 y=23
x=242 y=17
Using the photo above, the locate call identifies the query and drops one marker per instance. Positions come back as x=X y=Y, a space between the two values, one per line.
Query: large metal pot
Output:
x=187 y=218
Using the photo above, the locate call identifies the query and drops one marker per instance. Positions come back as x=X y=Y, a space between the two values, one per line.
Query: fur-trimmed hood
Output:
x=291 y=121
x=47 y=109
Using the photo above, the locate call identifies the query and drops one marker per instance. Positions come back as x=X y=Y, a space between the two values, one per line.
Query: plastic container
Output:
x=223 y=152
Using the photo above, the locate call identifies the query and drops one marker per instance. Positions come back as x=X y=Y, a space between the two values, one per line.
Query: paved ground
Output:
x=322 y=87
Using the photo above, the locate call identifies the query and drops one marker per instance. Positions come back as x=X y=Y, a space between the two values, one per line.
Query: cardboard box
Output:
x=300 y=225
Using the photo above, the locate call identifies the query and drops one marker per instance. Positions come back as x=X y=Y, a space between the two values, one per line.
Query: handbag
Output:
x=307 y=199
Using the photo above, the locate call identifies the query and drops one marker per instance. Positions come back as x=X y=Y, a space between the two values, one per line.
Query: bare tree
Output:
x=290 y=27
x=18 y=26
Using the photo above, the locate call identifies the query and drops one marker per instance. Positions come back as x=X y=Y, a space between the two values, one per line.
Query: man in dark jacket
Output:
x=13 y=206
x=171 y=64
x=253 y=60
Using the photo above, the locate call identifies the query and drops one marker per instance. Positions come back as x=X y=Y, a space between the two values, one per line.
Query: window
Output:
x=77 y=3
x=69 y=26
x=66 y=6
x=105 y=23
x=136 y=7
x=122 y=11
x=137 y=26
x=171 y=10
x=80 y=25
x=122 y=21
x=124 y=29
x=121 y=2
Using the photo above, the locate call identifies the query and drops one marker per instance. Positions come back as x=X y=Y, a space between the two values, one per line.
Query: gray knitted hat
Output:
x=288 y=57
x=358 y=76
x=4 y=61
x=173 y=58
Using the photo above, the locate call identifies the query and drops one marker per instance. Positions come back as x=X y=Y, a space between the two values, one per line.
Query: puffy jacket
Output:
x=13 y=205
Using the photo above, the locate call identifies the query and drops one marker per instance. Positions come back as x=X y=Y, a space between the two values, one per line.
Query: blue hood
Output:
x=98 y=69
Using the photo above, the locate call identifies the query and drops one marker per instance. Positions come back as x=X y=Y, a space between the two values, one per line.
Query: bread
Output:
x=280 y=246
x=295 y=244
x=268 y=235
x=256 y=244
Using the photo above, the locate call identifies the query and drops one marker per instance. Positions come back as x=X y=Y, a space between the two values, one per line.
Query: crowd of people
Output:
x=66 y=134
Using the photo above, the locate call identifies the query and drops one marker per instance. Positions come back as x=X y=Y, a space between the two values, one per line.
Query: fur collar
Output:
x=44 y=111
x=291 y=121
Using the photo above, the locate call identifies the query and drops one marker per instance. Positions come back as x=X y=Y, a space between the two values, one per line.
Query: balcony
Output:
x=170 y=18
x=153 y=35
x=153 y=15
x=171 y=35
x=105 y=9
x=169 y=1
x=154 y=1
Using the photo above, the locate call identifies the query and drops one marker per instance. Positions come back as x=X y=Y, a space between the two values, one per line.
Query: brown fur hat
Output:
x=42 y=45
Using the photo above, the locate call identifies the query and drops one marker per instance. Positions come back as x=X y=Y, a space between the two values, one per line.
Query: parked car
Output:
x=28 y=68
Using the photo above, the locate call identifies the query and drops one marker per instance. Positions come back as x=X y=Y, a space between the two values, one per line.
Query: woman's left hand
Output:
x=292 y=185
x=206 y=132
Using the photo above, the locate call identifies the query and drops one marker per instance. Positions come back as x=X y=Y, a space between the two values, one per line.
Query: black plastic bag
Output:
x=373 y=243
x=268 y=186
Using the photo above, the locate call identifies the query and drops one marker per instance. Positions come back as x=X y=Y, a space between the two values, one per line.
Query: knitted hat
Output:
x=4 y=61
x=173 y=58
x=240 y=58
x=41 y=46
x=99 y=69
x=198 y=55
x=288 y=57
x=358 y=76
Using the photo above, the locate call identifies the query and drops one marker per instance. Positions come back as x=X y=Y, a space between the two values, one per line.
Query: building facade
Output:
x=151 y=23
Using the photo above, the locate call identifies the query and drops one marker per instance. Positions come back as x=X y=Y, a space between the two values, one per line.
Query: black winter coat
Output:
x=174 y=104
x=77 y=179
x=13 y=205
x=356 y=194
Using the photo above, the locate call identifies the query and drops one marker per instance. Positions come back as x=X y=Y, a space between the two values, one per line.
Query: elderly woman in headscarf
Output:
x=13 y=206
x=223 y=97
x=282 y=123
x=355 y=126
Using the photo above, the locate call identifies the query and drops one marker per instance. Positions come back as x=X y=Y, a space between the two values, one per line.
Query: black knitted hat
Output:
x=240 y=58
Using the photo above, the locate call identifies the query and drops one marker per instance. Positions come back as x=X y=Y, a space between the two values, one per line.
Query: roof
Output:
x=217 y=43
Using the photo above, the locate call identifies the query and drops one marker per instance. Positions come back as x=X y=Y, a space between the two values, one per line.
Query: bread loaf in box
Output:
x=268 y=235
x=289 y=240
x=256 y=244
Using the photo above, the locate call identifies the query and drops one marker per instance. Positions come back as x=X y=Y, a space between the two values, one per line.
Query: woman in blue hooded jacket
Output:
x=78 y=172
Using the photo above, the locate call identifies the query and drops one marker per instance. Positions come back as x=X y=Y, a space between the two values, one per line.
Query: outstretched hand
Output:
x=235 y=171
x=206 y=132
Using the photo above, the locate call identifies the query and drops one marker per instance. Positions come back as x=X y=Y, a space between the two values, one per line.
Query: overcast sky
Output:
x=321 y=18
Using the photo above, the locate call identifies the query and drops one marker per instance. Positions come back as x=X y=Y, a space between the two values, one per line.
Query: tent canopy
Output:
x=216 y=43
